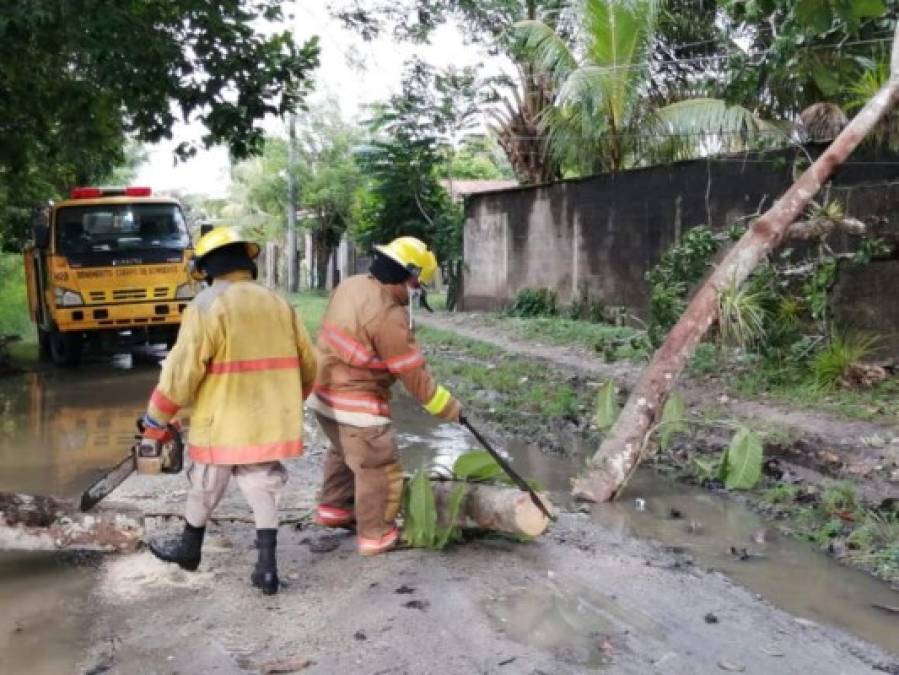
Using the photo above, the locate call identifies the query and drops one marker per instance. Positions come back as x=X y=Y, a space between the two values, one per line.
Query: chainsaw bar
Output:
x=99 y=490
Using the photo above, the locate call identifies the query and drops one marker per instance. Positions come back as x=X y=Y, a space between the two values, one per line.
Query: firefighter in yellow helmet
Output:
x=246 y=393
x=366 y=343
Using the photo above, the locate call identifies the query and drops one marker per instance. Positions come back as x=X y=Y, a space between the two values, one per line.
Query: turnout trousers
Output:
x=261 y=485
x=363 y=474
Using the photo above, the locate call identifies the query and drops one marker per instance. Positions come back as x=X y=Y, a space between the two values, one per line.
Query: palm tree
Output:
x=516 y=124
x=602 y=120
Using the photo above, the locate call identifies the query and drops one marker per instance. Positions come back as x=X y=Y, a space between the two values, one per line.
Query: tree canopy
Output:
x=78 y=77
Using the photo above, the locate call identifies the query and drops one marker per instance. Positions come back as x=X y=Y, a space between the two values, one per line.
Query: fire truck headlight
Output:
x=185 y=291
x=67 y=298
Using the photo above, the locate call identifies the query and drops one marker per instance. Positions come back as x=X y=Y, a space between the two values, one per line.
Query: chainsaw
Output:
x=146 y=457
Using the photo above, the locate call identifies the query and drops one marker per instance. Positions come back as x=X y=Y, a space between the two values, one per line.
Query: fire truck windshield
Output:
x=100 y=228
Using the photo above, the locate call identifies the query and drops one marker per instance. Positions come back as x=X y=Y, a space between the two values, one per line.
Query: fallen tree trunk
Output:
x=45 y=524
x=621 y=451
x=493 y=507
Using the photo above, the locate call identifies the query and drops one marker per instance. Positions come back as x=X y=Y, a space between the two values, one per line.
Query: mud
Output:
x=620 y=590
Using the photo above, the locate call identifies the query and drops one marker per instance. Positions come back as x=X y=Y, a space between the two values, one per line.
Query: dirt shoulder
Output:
x=865 y=452
x=578 y=598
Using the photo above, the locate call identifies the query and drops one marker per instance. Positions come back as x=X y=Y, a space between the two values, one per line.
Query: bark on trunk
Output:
x=493 y=507
x=621 y=451
x=45 y=524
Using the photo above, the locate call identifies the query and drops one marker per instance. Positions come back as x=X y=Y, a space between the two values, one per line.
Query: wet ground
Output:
x=701 y=528
x=60 y=427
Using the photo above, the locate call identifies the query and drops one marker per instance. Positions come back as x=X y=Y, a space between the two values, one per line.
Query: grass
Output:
x=612 y=342
x=311 y=306
x=792 y=386
x=14 y=317
x=834 y=518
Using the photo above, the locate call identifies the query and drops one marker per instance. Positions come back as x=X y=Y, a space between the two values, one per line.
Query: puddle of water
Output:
x=572 y=621
x=60 y=427
x=789 y=574
x=58 y=430
x=45 y=627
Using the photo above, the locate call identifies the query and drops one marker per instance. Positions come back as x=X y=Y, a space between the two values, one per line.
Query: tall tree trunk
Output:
x=322 y=255
x=621 y=451
x=292 y=267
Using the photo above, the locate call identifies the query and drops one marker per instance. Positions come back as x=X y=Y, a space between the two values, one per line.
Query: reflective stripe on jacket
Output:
x=243 y=359
x=365 y=345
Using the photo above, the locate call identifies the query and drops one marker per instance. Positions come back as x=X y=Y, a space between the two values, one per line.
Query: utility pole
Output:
x=292 y=267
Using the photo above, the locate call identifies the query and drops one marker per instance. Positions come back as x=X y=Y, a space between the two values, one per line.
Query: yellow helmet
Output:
x=215 y=239
x=413 y=254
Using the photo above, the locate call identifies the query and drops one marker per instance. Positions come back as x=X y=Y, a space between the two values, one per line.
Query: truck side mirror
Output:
x=40 y=228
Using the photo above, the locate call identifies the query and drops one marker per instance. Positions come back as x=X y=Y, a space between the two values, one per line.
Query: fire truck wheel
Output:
x=65 y=348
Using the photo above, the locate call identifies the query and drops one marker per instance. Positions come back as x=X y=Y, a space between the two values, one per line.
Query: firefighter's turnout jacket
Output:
x=365 y=344
x=244 y=359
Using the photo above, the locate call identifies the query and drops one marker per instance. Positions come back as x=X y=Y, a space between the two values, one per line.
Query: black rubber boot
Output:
x=185 y=552
x=265 y=576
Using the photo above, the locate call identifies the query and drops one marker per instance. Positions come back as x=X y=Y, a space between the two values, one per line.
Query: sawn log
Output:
x=35 y=523
x=493 y=507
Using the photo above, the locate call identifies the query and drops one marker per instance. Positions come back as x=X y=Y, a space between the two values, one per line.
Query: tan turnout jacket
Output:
x=244 y=359
x=365 y=344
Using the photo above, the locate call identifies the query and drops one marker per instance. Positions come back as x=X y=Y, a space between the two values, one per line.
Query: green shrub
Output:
x=830 y=364
x=535 y=302
x=682 y=266
x=588 y=308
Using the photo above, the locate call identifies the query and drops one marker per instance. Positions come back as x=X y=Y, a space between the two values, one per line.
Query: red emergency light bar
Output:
x=94 y=192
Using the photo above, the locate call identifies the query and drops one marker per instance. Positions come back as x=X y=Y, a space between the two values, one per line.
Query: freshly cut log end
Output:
x=593 y=487
x=45 y=524
x=493 y=507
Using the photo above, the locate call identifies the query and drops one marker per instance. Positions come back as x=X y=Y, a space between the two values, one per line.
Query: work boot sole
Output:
x=268 y=583
x=388 y=542
x=188 y=564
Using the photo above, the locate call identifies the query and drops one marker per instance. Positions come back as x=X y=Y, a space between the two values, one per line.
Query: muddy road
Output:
x=646 y=585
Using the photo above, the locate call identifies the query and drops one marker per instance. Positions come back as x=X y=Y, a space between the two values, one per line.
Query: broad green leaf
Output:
x=673 y=420
x=868 y=8
x=419 y=528
x=814 y=14
x=477 y=465
x=826 y=77
x=606 y=406
x=451 y=532
x=744 y=460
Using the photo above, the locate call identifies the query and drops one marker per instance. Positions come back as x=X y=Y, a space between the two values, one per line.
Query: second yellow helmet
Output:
x=414 y=255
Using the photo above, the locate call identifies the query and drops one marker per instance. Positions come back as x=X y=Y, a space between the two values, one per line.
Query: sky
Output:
x=352 y=72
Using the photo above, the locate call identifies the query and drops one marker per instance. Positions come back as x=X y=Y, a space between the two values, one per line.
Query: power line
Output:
x=719 y=57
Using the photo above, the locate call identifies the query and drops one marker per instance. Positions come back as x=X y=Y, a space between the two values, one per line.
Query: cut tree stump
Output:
x=493 y=507
x=33 y=523
x=622 y=449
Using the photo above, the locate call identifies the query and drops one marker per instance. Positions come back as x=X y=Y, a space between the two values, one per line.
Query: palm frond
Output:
x=546 y=50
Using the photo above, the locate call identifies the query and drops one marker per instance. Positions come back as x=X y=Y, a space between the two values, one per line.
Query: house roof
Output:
x=462 y=187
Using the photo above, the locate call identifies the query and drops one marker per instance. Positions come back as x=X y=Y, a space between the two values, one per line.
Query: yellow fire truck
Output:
x=108 y=266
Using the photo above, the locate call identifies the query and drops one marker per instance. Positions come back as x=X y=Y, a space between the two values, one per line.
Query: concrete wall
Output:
x=604 y=232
